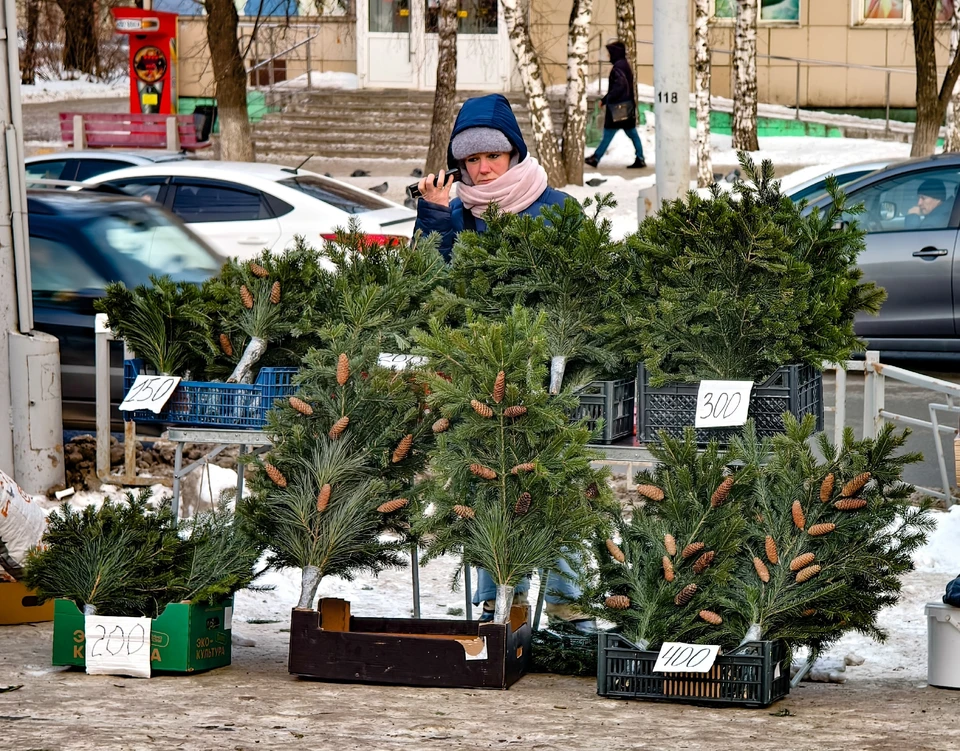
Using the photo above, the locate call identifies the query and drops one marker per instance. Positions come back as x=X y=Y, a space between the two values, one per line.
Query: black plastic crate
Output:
x=755 y=675
x=797 y=389
x=613 y=402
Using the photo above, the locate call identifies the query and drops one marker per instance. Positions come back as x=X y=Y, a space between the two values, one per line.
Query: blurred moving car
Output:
x=241 y=208
x=83 y=164
x=78 y=243
x=811 y=183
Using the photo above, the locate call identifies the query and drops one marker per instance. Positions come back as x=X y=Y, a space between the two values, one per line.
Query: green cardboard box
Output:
x=185 y=637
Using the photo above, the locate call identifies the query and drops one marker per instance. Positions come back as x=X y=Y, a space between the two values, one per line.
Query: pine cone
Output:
x=323 y=497
x=390 y=506
x=692 y=549
x=257 y=270
x=275 y=474
x=685 y=595
x=722 y=492
x=617 y=602
x=771 y=548
x=499 y=387
x=850 y=504
x=762 y=571
x=481 y=409
x=275 y=293
x=855 y=485
x=592 y=490
x=807 y=573
x=615 y=551
x=670 y=544
x=245 y=297
x=651 y=492
x=808 y=612
x=338 y=427
x=343 y=369
x=710 y=617
x=819 y=530
x=464 y=512
x=798 y=518
x=301 y=406
x=441 y=425
x=826 y=488
x=226 y=345
x=525 y=467
x=485 y=472
x=701 y=564
x=522 y=505
x=516 y=411
x=668 y=574
x=402 y=449
x=802 y=561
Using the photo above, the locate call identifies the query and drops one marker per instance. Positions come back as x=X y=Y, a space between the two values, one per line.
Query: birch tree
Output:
x=952 y=141
x=627 y=30
x=575 y=112
x=445 y=96
x=745 y=77
x=701 y=67
x=931 y=100
x=236 y=138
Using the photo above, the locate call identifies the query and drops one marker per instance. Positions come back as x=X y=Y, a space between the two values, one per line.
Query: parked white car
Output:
x=84 y=164
x=240 y=208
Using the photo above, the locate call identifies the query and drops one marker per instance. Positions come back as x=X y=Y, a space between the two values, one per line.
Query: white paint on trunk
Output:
x=952 y=140
x=308 y=587
x=745 y=77
x=243 y=373
x=575 y=114
x=501 y=612
x=701 y=66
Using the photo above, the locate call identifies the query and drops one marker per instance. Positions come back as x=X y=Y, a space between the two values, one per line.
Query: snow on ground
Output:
x=84 y=88
x=326 y=80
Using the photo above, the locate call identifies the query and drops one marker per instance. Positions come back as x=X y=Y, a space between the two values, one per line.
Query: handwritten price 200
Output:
x=117 y=640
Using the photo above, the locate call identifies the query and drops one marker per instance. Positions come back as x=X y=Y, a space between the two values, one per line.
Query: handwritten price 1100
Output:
x=722 y=403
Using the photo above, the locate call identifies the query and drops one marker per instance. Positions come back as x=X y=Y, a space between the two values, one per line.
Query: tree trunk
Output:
x=236 y=142
x=745 y=77
x=627 y=31
x=952 y=141
x=931 y=101
x=531 y=74
x=701 y=67
x=80 y=46
x=575 y=113
x=28 y=62
x=445 y=96
x=504 y=601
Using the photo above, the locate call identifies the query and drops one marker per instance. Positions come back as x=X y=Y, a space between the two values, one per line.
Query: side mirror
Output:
x=888 y=210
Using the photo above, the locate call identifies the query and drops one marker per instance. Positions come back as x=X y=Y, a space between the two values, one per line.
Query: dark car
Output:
x=78 y=243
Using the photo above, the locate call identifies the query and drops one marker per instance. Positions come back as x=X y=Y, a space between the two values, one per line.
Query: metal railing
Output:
x=269 y=63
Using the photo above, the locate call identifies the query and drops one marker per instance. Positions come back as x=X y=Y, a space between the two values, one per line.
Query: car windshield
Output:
x=819 y=188
x=143 y=241
x=343 y=197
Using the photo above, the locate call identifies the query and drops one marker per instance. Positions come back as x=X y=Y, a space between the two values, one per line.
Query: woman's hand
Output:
x=439 y=193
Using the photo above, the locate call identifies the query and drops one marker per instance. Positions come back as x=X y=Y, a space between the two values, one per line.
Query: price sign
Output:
x=116 y=645
x=150 y=392
x=400 y=362
x=722 y=404
x=676 y=657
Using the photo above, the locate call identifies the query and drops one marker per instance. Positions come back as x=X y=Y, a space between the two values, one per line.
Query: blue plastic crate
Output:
x=203 y=404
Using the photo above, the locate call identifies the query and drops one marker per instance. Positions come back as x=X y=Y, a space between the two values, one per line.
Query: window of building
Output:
x=476 y=16
x=896 y=11
x=390 y=16
x=771 y=11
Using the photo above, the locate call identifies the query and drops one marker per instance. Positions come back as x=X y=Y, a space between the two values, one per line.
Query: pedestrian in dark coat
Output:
x=621 y=89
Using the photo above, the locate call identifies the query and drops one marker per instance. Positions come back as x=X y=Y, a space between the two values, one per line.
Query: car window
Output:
x=56 y=267
x=819 y=188
x=87 y=168
x=142 y=187
x=50 y=169
x=205 y=202
x=892 y=205
x=343 y=197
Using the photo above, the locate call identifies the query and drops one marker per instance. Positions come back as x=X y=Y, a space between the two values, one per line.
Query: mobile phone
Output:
x=414 y=190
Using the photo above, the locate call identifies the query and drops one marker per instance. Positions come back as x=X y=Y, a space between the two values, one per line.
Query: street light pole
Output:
x=671 y=96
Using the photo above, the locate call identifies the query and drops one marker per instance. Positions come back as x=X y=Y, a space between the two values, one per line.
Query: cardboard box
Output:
x=185 y=637
x=19 y=605
x=331 y=645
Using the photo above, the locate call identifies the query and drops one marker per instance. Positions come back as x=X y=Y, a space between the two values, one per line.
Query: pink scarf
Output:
x=515 y=190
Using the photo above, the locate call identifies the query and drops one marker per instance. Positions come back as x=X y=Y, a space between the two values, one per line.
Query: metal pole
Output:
x=415 y=572
x=886 y=127
x=309 y=66
x=177 y=466
x=840 y=412
x=544 y=576
x=797 y=113
x=671 y=97
x=468 y=609
x=240 y=453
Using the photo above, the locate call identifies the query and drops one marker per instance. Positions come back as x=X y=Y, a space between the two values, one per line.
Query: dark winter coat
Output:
x=492 y=111
x=620 y=89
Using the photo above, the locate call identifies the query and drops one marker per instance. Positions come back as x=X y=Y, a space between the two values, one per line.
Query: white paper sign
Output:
x=150 y=392
x=400 y=362
x=722 y=404
x=677 y=657
x=117 y=645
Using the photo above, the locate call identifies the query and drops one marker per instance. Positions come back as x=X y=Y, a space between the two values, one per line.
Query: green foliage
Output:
x=736 y=285
x=164 y=324
x=563 y=650
x=464 y=367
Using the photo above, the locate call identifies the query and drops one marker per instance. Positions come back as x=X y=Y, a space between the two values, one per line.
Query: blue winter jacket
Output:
x=492 y=111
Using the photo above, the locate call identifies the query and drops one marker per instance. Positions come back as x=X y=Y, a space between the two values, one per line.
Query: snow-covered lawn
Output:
x=83 y=88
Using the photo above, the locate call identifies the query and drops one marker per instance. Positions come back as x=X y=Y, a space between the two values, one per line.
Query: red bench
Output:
x=109 y=130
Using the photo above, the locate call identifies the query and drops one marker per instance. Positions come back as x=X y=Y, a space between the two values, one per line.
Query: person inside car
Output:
x=932 y=210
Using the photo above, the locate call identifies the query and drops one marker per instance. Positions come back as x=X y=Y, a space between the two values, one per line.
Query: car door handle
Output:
x=929 y=252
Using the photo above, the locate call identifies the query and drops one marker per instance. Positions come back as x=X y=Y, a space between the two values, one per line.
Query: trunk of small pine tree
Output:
x=504 y=601
x=80 y=43
x=952 y=141
x=309 y=582
x=575 y=113
x=701 y=67
x=627 y=31
x=531 y=74
x=236 y=141
x=445 y=97
x=931 y=100
x=745 y=77
x=28 y=61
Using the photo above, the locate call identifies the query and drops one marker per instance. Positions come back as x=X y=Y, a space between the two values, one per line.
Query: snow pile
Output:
x=65 y=91
x=941 y=554
x=328 y=79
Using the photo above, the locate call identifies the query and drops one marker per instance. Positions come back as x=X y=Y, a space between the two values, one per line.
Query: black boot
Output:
x=592 y=161
x=640 y=163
